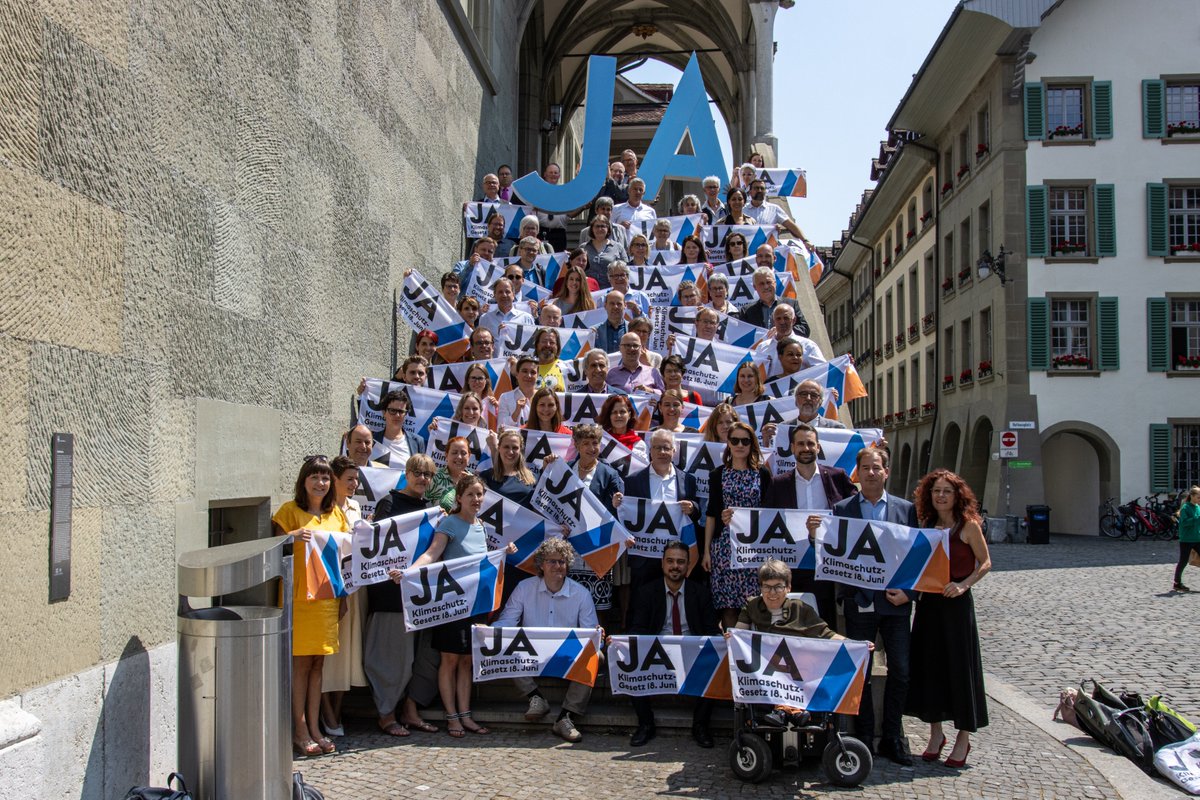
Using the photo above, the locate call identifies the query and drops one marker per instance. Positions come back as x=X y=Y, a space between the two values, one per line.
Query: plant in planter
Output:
x=908 y=237
x=888 y=418
x=1062 y=131
x=913 y=412
x=927 y=322
x=1193 y=247
x=928 y=215
x=1187 y=362
x=1067 y=246
x=981 y=150
x=947 y=381
x=887 y=349
x=947 y=284
x=966 y=376
x=912 y=331
x=985 y=368
x=878 y=354
x=927 y=408
x=1071 y=361
x=963 y=170
x=947 y=187
x=1183 y=127
x=964 y=275
x=887 y=262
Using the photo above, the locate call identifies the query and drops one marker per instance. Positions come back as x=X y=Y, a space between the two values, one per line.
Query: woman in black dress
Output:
x=946 y=668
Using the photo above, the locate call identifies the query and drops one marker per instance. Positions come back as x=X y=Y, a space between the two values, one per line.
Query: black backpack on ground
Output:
x=1112 y=722
x=159 y=793
x=304 y=791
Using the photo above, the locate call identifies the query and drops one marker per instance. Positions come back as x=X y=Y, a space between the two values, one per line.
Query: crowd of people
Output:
x=933 y=658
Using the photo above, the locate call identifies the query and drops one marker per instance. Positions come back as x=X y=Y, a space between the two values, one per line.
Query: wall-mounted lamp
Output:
x=556 y=114
x=986 y=265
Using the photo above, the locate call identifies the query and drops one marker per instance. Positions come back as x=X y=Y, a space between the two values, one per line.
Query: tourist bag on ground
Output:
x=160 y=793
x=1066 y=706
x=1106 y=719
x=304 y=791
x=1180 y=764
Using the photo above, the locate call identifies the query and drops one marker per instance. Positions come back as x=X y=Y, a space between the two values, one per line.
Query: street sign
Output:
x=1008 y=444
x=1020 y=464
x=1023 y=425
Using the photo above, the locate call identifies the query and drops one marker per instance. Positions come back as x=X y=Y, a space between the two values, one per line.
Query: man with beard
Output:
x=812 y=487
x=673 y=607
x=765 y=213
x=546 y=347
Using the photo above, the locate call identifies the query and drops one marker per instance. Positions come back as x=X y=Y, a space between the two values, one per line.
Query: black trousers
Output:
x=1185 y=552
x=644 y=708
x=804 y=580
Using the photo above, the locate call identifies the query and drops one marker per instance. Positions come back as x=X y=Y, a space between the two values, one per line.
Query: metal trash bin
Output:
x=1039 y=524
x=235 y=674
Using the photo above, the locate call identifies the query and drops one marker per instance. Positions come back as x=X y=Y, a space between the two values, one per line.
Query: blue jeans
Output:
x=896 y=633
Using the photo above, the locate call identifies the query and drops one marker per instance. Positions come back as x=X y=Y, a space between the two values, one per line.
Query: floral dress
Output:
x=740 y=488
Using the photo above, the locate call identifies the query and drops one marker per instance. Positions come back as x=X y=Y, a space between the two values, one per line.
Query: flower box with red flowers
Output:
x=910 y=236
x=928 y=215
x=947 y=284
x=966 y=376
x=927 y=323
x=896 y=250
x=964 y=274
x=963 y=170
x=1187 y=362
x=1187 y=249
x=912 y=331
x=1065 y=130
x=927 y=408
x=981 y=150
x=878 y=354
x=985 y=368
x=913 y=412
x=878 y=272
x=1067 y=246
x=1183 y=127
x=887 y=262
x=947 y=381
x=1071 y=361
x=947 y=187
x=887 y=419
x=887 y=350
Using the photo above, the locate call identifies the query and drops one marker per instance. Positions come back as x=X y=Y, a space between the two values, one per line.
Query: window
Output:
x=915 y=383
x=1183 y=220
x=1183 y=108
x=891 y=392
x=968 y=366
x=985 y=227
x=948 y=336
x=914 y=295
x=983 y=134
x=1068 y=221
x=891 y=325
x=1073 y=221
x=1185 y=333
x=930 y=376
x=930 y=284
x=964 y=243
x=1070 y=333
x=1064 y=112
x=901 y=329
x=947 y=172
x=964 y=153
x=948 y=258
x=1186 y=456
x=887 y=250
x=985 y=335
x=901 y=388
x=912 y=220
x=927 y=202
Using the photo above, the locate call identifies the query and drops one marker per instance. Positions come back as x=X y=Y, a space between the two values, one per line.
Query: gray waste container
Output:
x=235 y=674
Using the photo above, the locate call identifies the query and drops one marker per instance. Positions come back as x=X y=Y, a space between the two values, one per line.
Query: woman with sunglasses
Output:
x=344 y=668
x=735 y=247
x=393 y=659
x=740 y=482
x=314 y=622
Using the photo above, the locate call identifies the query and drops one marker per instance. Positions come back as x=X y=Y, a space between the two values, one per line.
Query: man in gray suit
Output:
x=885 y=613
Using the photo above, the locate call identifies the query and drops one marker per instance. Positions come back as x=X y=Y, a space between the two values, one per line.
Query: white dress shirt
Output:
x=664 y=488
x=533 y=605
x=508 y=404
x=493 y=319
x=667 y=629
x=623 y=212
x=811 y=494
x=766 y=214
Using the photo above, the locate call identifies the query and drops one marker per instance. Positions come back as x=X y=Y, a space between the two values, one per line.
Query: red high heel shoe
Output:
x=934 y=755
x=954 y=763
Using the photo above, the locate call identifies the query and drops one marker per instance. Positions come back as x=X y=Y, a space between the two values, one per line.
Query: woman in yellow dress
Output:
x=314 y=622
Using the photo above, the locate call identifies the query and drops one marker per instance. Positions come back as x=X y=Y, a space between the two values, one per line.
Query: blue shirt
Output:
x=465 y=539
x=874 y=511
x=608 y=338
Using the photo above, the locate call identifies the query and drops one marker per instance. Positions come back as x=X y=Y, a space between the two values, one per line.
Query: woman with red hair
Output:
x=946 y=668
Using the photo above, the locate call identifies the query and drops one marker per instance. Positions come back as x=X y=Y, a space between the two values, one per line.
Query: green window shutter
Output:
x=1037 y=333
x=1035 y=112
x=1108 y=335
x=1106 y=219
x=1037 y=225
x=1154 y=109
x=1102 y=122
x=1158 y=334
x=1156 y=219
x=1160 y=458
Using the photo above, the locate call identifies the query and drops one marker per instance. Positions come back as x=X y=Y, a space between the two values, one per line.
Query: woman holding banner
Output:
x=946 y=668
x=344 y=668
x=672 y=369
x=314 y=622
x=617 y=416
x=601 y=250
x=479 y=381
x=547 y=412
x=735 y=201
x=692 y=250
x=459 y=534
x=718 y=294
x=735 y=247
x=740 y=482
x=670 y=410
x=639 y=251
x=662 y=236
x=571 y=293
x=442 y=489
x=719 y=423
x=749 y=386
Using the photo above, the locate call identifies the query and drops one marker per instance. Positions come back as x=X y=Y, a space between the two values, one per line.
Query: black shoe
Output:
x=776 y=718
x=800 y=718
x=895 y=750
x=1179 y=587
x=642 y=735
x=702 y=735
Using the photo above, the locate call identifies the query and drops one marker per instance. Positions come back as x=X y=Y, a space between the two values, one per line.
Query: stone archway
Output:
x=1080 y=470
x=923 y=459
x=948 y=457
x=977 y=459
x=902 y=471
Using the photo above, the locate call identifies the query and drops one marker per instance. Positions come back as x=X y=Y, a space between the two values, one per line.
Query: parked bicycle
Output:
x=1133 y=519
x=1117 y=521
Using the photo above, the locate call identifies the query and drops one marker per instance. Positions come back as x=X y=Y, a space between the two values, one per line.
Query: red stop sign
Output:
x=1008 y=439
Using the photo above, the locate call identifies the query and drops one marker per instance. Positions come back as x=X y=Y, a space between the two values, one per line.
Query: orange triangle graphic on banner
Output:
x=602 y=560
x=936 y=574
x=853 y=695
x=721 y=686
x=586 y=666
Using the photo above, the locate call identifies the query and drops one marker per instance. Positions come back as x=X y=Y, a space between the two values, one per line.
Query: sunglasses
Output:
x=740 y=441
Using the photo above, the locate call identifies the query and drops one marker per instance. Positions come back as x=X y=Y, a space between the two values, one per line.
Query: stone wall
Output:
x=207 y=206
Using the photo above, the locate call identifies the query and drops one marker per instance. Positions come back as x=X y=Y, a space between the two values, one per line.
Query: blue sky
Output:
x=840 y=70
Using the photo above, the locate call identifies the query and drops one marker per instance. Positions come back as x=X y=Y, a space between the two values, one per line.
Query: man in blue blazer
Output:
x=661 y=481
x=884 y=613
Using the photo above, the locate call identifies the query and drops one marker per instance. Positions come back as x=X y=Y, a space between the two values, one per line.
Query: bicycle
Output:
x=1117 y=521
x=1148 y=523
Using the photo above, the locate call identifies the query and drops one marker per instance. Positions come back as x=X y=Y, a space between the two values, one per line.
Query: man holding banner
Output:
x=884 y=613
x=811 y=486
x=552 y=600
x=673 y=607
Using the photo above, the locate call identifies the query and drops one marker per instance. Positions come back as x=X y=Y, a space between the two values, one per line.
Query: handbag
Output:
x=304 y=791
x=161 y=793
x=1180 y=763
x=1194 y=558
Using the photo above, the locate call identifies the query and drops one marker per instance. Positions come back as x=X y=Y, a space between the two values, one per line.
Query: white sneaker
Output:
x=538 y=708
x=566 y=729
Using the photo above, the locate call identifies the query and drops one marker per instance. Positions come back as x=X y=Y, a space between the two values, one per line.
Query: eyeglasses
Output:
x=808 y=394
x=399 y=412
x=740 y=441
x=555 y=562
x=424 y=474
x=773 y=588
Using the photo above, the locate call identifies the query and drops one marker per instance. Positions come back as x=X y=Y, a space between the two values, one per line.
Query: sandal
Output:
x=479 y=730
x=420 y=725
x=326 y=745
x=306 y=749
x=460 y=732
x=394 y=729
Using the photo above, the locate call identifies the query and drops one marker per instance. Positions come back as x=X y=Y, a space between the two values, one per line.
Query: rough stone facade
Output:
x=208 y=204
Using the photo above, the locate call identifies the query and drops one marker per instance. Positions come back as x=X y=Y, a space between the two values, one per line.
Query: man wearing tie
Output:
x=673 y=606
x=884 y=613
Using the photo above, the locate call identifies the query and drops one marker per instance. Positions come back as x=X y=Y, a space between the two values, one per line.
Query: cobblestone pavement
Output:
x=1009 y=759
x=1048 y=616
